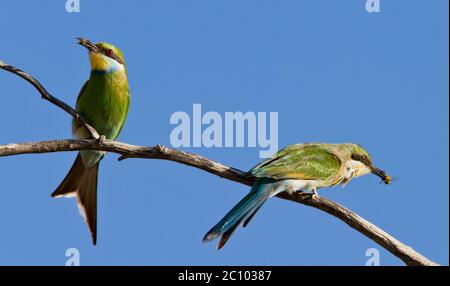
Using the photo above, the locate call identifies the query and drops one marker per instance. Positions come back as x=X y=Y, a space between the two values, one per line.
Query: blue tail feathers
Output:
x=242 y=212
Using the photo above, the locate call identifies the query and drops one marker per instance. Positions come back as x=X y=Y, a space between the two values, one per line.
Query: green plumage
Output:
x=103 y=102
x=299 y=167
x=301 y=161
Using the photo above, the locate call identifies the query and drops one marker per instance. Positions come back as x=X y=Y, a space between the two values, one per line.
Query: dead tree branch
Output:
x=397 y=248
x=47 y=96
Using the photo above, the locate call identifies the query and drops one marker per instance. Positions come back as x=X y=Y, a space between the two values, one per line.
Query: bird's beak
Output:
x=382 y=174
x=88 y=45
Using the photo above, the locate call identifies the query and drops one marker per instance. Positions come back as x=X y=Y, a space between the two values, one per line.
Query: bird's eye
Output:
x=109 y=52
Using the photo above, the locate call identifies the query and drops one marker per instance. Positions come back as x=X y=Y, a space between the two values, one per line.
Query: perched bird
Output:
x=300 y=167
x=103 y=102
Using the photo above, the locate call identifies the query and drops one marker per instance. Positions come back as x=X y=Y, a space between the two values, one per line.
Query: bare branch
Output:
x=47 y=96
x=402 y=251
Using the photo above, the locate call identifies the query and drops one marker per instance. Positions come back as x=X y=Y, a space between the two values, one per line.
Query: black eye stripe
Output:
x=111 y=54
x=361 y=158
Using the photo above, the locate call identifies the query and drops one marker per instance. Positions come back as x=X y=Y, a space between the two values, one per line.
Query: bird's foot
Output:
x=314 y=194
x=101 y=139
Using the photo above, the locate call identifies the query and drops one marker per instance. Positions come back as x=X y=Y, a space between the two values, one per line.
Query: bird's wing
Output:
x=77 y=129
x=80 y=94
x=301 y=162
x=126 y=113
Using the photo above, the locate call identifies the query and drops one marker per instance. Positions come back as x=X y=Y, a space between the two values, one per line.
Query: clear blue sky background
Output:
x=332 y=71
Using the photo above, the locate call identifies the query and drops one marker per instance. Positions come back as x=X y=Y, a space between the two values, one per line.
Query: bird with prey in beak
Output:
x=299 y=167
x=103 y=102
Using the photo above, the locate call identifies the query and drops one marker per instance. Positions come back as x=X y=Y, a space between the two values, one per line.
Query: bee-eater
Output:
x=103 y=102
x=299 y=167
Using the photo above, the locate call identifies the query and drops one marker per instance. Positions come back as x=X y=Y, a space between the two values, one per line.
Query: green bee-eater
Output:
x=300 y=167
x=103 y=102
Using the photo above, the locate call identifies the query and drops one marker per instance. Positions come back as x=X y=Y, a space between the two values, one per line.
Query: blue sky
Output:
x=332 y=71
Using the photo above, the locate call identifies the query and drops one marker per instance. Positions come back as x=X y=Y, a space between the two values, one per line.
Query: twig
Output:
x=402 y=251
x=47 y=96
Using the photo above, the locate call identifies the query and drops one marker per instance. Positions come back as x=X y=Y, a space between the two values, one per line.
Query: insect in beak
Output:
x=88 y=45
x=385 y=178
